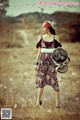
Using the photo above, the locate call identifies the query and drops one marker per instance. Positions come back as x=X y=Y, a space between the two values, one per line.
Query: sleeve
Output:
x=39 y=42
x=57 y=44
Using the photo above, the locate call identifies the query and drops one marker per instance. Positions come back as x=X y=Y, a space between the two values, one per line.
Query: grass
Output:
x=18 y=91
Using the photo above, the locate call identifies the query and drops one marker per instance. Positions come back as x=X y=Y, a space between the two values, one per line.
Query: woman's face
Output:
x=45 y=30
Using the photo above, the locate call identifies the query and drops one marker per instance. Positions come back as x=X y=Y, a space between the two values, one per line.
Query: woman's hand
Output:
x=36 y=67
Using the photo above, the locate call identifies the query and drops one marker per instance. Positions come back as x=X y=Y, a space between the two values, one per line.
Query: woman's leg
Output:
x=40 y=91
x=57 y=99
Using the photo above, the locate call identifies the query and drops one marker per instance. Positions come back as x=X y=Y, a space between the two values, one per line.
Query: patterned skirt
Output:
x=46 y=73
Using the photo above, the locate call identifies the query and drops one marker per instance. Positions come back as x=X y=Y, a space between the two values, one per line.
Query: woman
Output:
x=46 y=73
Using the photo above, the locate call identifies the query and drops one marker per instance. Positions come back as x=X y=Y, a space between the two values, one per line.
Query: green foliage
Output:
x=3 y=5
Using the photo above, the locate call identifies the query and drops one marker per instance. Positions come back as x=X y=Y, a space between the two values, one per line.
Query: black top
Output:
x=45 y=44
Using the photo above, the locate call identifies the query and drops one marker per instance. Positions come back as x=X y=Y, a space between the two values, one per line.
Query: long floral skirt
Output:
x=46 y=73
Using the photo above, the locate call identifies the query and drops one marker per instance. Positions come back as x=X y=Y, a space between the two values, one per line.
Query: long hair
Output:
x=52 y=31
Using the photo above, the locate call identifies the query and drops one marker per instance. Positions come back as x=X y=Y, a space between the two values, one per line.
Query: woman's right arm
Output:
x=38 y=55
x=37 y=58
x=38 y=46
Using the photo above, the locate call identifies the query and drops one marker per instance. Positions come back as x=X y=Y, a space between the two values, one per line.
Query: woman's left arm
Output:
x=57 y=38
x=57 y=42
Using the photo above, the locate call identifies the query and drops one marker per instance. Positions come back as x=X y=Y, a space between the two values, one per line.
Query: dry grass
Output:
x=18 y=91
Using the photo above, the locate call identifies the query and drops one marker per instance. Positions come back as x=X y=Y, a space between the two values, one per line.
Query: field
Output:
x=18 y=90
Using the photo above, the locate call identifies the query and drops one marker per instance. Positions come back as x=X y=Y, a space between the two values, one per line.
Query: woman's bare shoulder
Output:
x=39 y=37
x=57 y=38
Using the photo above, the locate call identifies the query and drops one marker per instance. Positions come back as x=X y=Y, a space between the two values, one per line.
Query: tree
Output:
x=4 y=4
x=42 y=10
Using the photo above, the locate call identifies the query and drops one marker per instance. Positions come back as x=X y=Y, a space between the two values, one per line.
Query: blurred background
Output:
x=20 y=25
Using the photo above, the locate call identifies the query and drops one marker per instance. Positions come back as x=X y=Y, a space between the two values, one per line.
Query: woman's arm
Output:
x=38 y=56
x=57 y=42
x=57 y=38
x=38 y=46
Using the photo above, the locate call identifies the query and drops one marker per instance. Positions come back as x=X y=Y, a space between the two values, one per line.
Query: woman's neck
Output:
x=48 y=37
x=48 y=34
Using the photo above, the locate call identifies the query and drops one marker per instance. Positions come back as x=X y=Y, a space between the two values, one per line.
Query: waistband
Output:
x=47 y=50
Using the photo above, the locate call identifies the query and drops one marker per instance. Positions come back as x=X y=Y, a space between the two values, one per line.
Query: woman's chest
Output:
x=47 y=44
